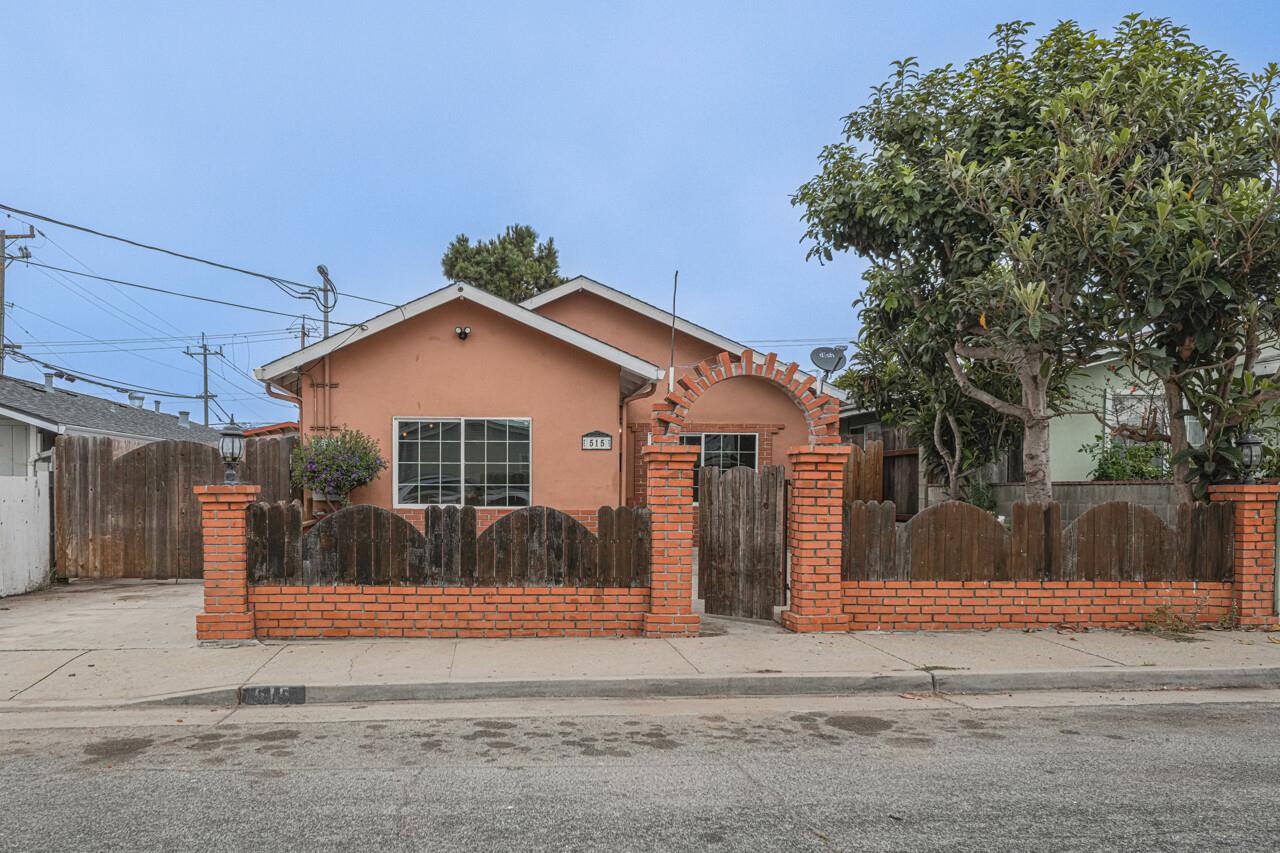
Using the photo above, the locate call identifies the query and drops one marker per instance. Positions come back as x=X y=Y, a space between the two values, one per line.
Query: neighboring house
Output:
x=282 y=428
x=483 y=402
x=32 y=416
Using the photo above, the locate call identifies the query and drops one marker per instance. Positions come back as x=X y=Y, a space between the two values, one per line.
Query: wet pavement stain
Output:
x=117 y=749
x=866 y=726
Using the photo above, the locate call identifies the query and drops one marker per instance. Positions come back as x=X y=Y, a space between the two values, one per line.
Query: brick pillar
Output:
x=226 y=613
x=813 y=538
x=669 y=491
x=1254 y=575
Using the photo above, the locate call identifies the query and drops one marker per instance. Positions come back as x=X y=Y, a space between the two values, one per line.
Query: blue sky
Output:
x=645 y=139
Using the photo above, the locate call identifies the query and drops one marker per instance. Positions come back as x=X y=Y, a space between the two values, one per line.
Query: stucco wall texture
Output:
x=504 y=369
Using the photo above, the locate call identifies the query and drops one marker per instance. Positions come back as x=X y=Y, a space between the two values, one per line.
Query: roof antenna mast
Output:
x=671 y=374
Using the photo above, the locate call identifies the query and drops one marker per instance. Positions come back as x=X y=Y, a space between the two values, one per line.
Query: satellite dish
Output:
x=829 y=359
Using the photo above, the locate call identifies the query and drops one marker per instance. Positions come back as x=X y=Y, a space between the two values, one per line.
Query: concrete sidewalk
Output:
x=122 y=643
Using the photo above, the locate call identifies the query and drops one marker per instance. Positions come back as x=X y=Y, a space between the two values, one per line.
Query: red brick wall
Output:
x=285 y=612
x=485 y=516
x=958 y=605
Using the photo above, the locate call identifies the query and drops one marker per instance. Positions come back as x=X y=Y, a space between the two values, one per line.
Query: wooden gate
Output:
x=124 y=511
x=742 y=540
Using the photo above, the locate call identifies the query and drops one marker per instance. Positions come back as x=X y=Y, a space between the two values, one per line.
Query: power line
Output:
x=172 y=292
x=308 y=291
x=123 y=293
x=91 y=339
x=101 y=381
x=98 y=302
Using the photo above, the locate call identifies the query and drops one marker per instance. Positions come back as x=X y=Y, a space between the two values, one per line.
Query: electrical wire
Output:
x=67 y=252
x=91 y=339
x=172 y=292
x=101 y=381
x=296 y=289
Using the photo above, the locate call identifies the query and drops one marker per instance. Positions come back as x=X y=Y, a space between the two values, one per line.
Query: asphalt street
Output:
x=1200 y=777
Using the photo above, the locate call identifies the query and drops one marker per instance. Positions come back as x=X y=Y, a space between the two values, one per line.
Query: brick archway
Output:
x=821 y=411
x=814 y=520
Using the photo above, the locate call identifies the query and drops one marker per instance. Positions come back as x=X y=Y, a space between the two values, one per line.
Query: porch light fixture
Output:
x=462 y=332
x=1250 y=455
x=231 y=447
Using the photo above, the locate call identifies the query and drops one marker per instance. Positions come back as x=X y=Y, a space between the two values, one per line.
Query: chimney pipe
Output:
x=184 y=419
x=136 y=400
x=48 y=382
x=157 y=403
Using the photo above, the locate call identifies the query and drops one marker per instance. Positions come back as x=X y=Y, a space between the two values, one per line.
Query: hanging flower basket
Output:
x=331 y=467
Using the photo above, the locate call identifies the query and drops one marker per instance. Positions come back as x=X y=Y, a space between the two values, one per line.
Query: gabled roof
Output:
x=653 y=312
x=59 y=410
x=581 y=283
x=636 y=371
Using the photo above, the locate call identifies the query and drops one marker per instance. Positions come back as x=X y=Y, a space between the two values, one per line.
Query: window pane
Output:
x=518 y=452
x=712 y=442
x=408 y=473
x=450 y=451
x=518 y=431
x=474 y=451
x=450 y=431
x=450 y=492
x=518 y=474
x=450 y=475
x=475 y=431
x=409 y=451
x=435 y=430
x=429 y=451
x=495 y=430
x=407 y=494
x=410 y=430
x=474 y=475
x=692 y=439
x=495 y=452
x=474 y=495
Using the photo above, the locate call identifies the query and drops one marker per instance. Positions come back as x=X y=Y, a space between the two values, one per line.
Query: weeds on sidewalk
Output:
x=1171 y=625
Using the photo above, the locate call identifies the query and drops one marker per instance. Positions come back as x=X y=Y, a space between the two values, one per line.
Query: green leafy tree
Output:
x=911 y=387
x=513 y=265
x=1018 y=204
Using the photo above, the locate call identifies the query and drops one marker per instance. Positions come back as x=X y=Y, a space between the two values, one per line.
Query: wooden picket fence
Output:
x=124 y=510
x=529 y=547
x=1116 y=541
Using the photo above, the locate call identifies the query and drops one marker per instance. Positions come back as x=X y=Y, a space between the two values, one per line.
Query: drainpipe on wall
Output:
x=646 y=391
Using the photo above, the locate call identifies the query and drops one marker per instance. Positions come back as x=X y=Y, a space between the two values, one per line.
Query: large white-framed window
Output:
x=468 y=461
x=722 y=450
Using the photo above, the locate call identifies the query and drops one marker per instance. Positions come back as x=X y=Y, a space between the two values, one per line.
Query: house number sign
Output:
x=597 y=441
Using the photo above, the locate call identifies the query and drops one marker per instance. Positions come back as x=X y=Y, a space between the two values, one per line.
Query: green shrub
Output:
x=1115 y=461
x=336 y=464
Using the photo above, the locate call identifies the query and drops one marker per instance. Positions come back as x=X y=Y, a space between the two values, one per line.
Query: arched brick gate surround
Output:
x=813 y=522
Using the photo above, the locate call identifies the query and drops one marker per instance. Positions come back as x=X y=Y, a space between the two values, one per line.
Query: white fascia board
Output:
x=641 y=307
x=630 y=364
x=693 y=330
x=32 y=420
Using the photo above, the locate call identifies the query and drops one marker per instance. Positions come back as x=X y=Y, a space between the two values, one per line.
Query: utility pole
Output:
x=204 y=352
x=328 y=296
x=5 y=239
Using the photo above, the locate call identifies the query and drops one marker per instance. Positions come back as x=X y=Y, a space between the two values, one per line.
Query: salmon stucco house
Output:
x=483 y=402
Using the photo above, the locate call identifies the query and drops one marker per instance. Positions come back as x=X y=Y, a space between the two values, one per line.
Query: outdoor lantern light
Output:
x=1250 y=455
x=231 y=446
x=462 y=332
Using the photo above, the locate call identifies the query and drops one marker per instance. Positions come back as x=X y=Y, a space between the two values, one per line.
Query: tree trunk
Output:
x=1177 y=442
x=1037 y=487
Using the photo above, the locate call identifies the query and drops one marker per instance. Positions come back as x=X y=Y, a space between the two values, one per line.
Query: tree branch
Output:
x=1004 y=407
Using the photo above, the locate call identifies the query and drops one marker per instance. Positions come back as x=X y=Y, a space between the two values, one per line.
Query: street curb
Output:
x=584 y=688
x=1126 y=678
x=918 y=682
